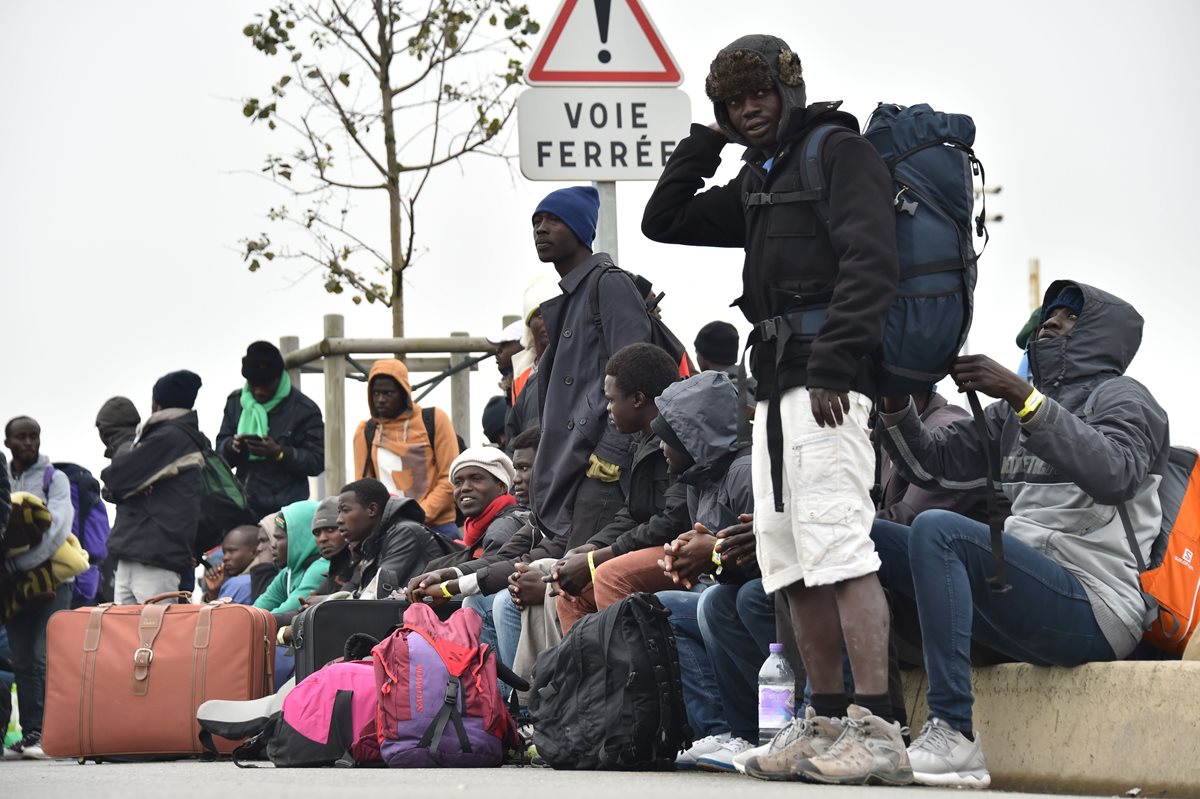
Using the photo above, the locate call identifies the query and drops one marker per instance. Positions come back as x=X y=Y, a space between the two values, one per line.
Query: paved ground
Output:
x=130 y=781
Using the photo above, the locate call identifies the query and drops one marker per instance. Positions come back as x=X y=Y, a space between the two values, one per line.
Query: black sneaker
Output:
x=30 y=747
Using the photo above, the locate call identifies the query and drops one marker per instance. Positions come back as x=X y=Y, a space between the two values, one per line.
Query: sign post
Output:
x=602 y=107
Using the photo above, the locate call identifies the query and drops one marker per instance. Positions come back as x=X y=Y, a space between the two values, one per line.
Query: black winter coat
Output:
x=791 y=256
x=296 y=425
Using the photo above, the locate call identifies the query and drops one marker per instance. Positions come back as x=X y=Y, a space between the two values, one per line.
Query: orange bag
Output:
x=1173 y=578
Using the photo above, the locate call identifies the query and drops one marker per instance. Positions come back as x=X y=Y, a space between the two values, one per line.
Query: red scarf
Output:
x=476 y=526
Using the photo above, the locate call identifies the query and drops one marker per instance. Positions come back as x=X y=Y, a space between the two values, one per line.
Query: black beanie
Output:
x=494 y=414
x=177 y=389
x=263 y=363
x=718 y=343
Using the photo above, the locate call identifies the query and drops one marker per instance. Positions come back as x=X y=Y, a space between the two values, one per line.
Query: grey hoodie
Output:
x=1099 y=440
x=702 y=413
x=62 y=512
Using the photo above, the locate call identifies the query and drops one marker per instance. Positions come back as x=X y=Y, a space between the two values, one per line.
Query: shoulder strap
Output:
x=594 y=306
x=430 y=420
x=369 y=435
x=997 y=581
x=47 y=478
x=812 y=175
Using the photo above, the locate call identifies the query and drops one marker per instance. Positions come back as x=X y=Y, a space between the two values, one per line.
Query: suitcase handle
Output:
x=176 y=595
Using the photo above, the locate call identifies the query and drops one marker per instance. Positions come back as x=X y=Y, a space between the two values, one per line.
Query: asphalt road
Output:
x=27 y=779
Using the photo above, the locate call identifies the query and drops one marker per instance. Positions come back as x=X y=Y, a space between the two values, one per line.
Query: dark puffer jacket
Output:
x=792 y=258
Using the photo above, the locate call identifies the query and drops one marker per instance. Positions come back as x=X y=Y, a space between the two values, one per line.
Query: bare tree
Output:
x=377 y=94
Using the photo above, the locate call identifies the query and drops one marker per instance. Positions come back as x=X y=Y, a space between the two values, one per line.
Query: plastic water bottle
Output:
x=776 y=694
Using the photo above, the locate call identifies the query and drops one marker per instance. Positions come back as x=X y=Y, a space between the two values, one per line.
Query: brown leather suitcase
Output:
x=125 y=680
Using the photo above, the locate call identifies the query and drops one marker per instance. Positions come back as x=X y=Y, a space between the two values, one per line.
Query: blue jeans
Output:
x=943 y=563
x=482 y=605
x=27 y=639
x=448 y=530
x=738 y=625
x=700 y=692
x=507 y=619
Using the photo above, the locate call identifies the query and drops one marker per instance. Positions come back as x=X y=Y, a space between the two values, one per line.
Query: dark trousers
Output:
x=27 y=639
x=596 y=504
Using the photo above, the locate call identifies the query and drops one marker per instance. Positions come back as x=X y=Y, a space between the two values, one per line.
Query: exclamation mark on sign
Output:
x=603 y=7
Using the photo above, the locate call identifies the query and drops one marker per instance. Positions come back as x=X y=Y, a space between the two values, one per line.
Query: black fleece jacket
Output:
x=791 y=255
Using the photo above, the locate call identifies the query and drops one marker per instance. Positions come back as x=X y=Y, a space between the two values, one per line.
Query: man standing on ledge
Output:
x=817 y=288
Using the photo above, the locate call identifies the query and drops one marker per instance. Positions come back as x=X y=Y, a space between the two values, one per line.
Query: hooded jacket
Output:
x=396 y=551
x=296 y=425
x=157 y=486
x=402 y=457
x=62 y=512
x=1098 y=440
x=305 y=567
x=702 y=413
x=573 y=410
x=792 y=258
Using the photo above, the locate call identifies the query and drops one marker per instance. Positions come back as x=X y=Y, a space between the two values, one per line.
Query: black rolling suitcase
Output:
x=319 y=633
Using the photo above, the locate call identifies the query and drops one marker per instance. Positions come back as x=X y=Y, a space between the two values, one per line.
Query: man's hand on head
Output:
x=829 y=407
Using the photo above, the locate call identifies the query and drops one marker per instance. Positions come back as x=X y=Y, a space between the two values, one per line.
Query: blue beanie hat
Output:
x=1070 y=297
x=578 y=207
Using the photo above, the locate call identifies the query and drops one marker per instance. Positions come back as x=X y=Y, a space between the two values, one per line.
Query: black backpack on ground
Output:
x=609 y=696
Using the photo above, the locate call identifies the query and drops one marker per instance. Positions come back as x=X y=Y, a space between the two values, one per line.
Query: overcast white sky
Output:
x=123 y=150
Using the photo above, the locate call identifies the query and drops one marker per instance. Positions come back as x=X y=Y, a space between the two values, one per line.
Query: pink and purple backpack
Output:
x=439 y=703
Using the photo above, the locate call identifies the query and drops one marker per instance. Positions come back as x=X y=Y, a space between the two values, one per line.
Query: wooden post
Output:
x=335 y=410
x=1035 y=283
x=460 y=395
x=291 y=344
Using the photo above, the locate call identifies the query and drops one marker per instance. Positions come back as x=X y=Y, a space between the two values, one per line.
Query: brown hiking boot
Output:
x=801 y=739
x=870 y=751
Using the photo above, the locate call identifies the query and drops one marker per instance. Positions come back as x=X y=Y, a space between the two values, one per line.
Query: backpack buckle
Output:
x=768 y=329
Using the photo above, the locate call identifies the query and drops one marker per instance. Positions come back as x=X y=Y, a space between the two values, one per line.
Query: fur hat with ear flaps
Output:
x=752 y=64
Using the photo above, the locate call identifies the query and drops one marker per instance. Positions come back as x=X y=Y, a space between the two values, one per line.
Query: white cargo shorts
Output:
x=823 y=535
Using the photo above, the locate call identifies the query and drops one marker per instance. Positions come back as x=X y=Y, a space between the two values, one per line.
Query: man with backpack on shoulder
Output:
x=27 y=472
x=818 y=289
x=157 y=486
x=576 y=488
x=1080 y=454
x=406 y=447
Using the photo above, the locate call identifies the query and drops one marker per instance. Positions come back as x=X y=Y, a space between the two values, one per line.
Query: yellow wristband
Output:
x=446 y=590
x=279 y=457
x=279 y=636
x=716 y=558
x=1032 y=403
x=592 y=563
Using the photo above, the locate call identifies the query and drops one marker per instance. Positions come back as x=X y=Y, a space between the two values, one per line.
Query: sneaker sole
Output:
x=752 y=770
x=716 y=768
x=873 y=778
x=953 y=780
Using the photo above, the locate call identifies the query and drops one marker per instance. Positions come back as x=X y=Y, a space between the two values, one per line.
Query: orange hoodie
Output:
x=400 y=451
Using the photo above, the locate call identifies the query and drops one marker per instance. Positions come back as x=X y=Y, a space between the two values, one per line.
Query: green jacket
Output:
x=305 y=567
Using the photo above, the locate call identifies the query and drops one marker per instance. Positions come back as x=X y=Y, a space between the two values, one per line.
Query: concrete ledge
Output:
x=1101 y=728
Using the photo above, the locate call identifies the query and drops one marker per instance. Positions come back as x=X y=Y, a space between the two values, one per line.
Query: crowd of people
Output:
x=606 y=477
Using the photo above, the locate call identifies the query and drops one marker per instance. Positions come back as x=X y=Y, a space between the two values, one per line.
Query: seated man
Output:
x=333 y=548
x=653 y=513
x=391 y=543
x=1079 y=463
x=301 y=569
x=244 y=572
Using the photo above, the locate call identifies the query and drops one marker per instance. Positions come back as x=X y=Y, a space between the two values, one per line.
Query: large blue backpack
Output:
x=931 y=161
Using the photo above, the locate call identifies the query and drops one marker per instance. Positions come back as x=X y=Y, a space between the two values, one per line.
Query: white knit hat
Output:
x=490 y=459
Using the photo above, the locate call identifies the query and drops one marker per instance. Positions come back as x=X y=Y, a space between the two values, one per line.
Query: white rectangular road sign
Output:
x=600 y=134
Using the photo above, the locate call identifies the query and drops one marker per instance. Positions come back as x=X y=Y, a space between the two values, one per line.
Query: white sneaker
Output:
x=739 y=760
x=722 y=758
x=942 y=755
x=690 y=758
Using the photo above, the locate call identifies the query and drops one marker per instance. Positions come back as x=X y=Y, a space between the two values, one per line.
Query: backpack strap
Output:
x=995 y=515
x=430 y=419
x=594 y=307
x=47 y=478
x=448 y=712
x=369 y=435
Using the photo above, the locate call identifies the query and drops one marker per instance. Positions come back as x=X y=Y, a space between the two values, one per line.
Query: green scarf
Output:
x=253 y=420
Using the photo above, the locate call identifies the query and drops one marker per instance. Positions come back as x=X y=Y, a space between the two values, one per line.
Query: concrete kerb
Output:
x=1101 y=728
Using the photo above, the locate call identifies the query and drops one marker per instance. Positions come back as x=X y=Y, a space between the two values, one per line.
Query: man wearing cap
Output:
x=507 y=343
x=817 y=287
x=494 y=414
x=575 y=482
x=524 y=412
x=272 y=434
x=157 y=486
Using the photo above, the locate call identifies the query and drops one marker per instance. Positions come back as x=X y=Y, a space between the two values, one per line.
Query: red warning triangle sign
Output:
x=602 y=43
